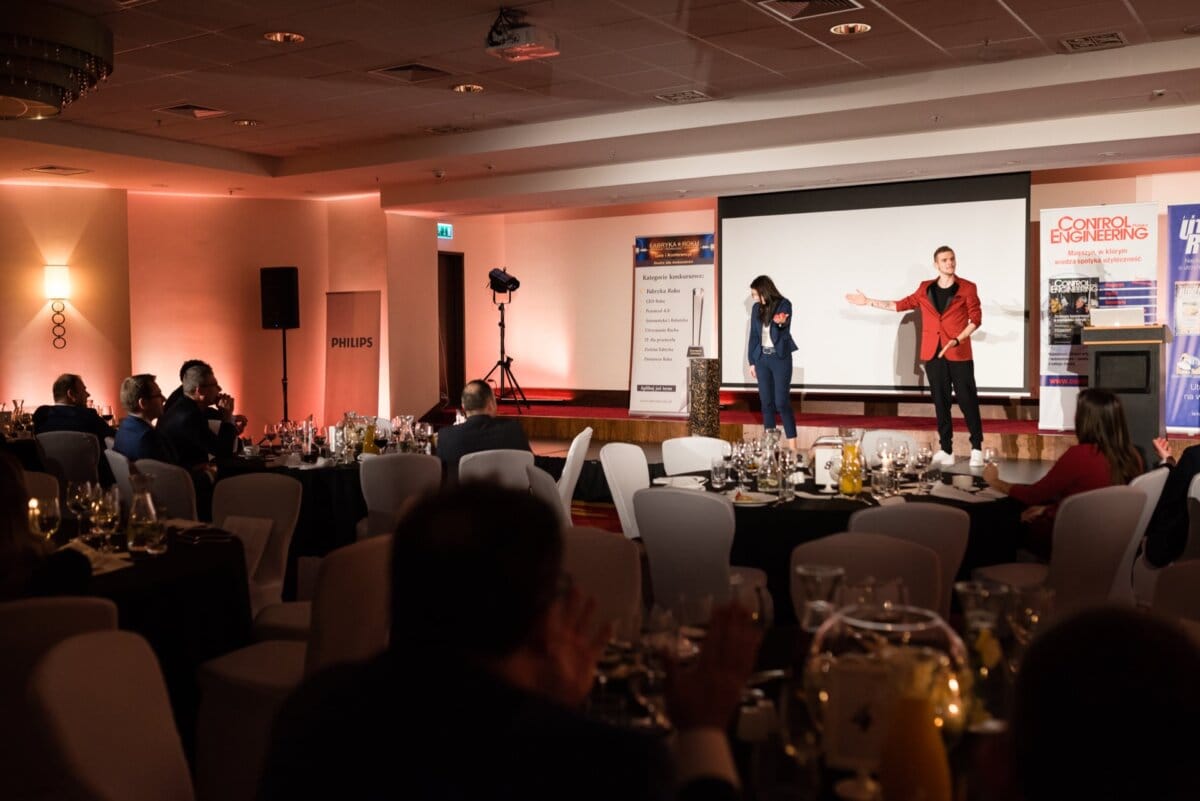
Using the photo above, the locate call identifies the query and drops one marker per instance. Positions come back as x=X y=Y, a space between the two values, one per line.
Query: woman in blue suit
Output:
x=770 y=352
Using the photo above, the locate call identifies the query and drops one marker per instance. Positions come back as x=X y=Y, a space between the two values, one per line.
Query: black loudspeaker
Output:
x=280 y=297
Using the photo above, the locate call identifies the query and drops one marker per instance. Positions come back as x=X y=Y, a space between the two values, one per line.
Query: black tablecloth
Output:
x=191 y=604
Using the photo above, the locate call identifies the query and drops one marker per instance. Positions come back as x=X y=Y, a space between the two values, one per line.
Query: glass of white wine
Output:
x=45 y=516
x=106 y=517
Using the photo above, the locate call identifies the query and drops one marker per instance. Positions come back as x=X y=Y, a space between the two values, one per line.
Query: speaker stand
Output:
x=504 y=365
x=285 y=408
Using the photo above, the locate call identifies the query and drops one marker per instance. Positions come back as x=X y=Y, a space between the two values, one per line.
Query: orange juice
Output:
x=913 y=765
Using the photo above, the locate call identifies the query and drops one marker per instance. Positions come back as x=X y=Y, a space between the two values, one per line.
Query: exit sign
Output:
x=445 y=230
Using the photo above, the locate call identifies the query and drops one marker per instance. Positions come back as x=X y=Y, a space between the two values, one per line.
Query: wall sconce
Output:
x=57 y=285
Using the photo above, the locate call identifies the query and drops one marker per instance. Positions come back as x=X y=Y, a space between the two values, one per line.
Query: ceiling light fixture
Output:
x=284 y=37
x=467 y=88
x=49 y=58
x=850 y=29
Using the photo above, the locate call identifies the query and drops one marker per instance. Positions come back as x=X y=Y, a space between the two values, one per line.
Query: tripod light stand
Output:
x=499 y=281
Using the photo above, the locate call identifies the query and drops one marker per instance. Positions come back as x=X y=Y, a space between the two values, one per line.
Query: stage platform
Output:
x=1014 y=439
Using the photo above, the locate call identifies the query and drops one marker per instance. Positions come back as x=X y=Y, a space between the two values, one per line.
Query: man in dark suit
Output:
x=137 y=438
x=191 y=440
x=492 y=655
x=482 y=431
x=70 y=411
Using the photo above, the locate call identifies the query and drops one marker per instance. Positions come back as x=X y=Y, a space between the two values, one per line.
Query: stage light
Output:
x=500 y=281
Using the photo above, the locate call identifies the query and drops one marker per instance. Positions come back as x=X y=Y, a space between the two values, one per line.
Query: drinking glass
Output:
x=900 y=457
x=718 y=472
x=106 y=516
x=984 y=604
x=80 y=495
x=924 y=455
x=834 y=466
x=819 y=586
x=930 y=478
x=883 y=449
x=881 y=483
x=45 y=516
x=990 y=456
x=270 y=432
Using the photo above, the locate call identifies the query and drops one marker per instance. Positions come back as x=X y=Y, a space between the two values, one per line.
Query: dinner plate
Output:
x=680 y=482
x=749 y=499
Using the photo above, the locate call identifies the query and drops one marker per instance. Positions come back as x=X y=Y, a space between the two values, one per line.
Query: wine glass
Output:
x=900 y=457
x=79 y=502
x=106 y=516
x=45 y=516
x=930 y=478
x=106 y=413
x=270 y=432
x=990 y=456
x=924 y=455
x=883 y=450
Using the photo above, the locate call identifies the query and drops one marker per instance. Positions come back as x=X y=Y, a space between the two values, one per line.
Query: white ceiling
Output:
x=938 y=87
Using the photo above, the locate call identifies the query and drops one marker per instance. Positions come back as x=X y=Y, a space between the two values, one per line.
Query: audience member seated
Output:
x=1167 y=531
x=1104 y=456
x=490 y=660
x=188 y=437
x=211 y=412
x=1105 y=709
x=70 y=412
x=27 y=565
x=137 y=437
x=482 y=430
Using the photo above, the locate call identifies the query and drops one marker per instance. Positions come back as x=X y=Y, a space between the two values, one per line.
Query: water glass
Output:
x=990 y=456
x=819 y=586
x=718 y=472
x=881 y=483
x=787 y=485
x=930 y=478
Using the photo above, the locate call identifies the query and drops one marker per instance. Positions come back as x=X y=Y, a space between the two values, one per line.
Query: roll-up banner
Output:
x=351 y=354
x=1091 y=256
x=674 y=319
x=1182 y=398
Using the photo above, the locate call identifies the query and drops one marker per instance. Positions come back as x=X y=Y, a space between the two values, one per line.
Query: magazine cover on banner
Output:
x=674 y=288
x=1182 y=400
x=1091 y=257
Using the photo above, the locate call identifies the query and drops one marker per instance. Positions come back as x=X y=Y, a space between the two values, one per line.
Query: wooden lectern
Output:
x=1127 y=360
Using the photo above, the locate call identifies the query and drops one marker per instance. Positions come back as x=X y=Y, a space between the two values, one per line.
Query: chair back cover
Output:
x=71 y=455
x=607 y=567
x=543 y=487
x=119 y=464
x=576 y=456
x=625 y=472
x=1091 y=533
x=687 y=535
x=942 y=529
x=392 y=480
x=263 y=495
x=691 y=454
x=503 y=466
x=172 y=489
x=876 y=556
x=351 y=610
x=1152 y=484
x=118 y=740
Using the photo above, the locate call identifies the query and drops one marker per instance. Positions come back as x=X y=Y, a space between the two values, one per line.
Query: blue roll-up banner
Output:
x=1182 y=399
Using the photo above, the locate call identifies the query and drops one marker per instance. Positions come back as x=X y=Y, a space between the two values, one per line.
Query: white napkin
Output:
x=321 y=462
x=101 y=562
x=816 y=496
x=891 y=500
x=955 y=494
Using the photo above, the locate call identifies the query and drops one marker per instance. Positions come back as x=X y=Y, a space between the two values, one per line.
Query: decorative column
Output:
x=704 y=397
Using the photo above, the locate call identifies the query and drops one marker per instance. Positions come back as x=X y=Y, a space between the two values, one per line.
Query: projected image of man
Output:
x=950 y=313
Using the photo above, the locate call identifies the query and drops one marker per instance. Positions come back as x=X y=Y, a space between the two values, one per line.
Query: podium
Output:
x=1128 y=362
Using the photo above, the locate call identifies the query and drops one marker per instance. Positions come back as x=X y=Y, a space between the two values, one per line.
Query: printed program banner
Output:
x=1093 y=256
x=1182 y=399
x=674 y=294
x=351 y=354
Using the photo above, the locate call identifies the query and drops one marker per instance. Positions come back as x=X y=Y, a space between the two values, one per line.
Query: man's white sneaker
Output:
x=976 y=458
x=942 y=458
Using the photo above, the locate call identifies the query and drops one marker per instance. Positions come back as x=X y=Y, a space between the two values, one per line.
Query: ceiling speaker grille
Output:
x=684 y=97
x=192 y=111
x=410 y=73
x=794 y=10
x=1093 y=41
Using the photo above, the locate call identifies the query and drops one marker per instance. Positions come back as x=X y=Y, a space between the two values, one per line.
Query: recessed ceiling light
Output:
x=850 y=29
x=245 y=123
x=1108 y=154
x=284 y=37
x=467 y=88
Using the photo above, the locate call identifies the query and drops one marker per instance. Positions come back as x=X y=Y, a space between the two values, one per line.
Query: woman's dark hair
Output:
x=768 y=297
x=1100 y=421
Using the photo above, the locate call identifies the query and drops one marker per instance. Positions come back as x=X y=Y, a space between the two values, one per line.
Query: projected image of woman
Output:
x=770 y=353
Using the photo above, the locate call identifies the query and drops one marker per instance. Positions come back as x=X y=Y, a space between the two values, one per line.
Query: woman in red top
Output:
x=1104 y=456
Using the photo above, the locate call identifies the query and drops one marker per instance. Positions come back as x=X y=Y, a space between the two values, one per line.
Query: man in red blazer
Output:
x=950 y=313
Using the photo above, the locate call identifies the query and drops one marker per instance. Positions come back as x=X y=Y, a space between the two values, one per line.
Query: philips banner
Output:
x=351 y=354
x=1182 y=398
x=1095 y=256
x=674 y=285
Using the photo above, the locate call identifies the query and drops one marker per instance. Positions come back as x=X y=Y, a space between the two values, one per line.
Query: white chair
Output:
x=1152 y=484
x=119 y=464
x=875 y=556
x=503 y=466
x=692 y=454
x=625 y=472
x=576 y=456
x=607 y=567
x=267 y=495
x=542 y=485
x=688 y=536
x=119 y=742
x=391 y=481
x=942 y=529
x=1091 y=532
x=871 y=439
x=41 y=485
x=28 y=629
x=72 y=455
x=172 y=488
x=240 y=692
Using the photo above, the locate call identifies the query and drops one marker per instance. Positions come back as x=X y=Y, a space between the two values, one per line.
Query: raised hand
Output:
x=707 y=694
x=571 y=649
x=856 y=298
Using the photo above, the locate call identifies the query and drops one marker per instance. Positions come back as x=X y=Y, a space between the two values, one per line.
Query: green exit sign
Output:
x=445 y=230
